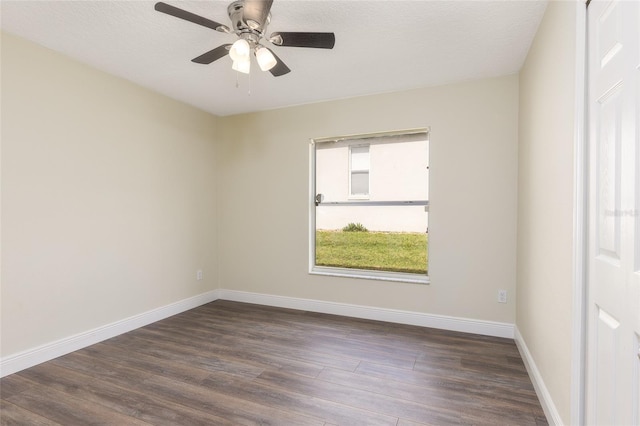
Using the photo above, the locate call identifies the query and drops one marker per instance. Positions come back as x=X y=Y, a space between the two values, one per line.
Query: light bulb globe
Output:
x=265 y=59
x=242 y=65
x=240 y=49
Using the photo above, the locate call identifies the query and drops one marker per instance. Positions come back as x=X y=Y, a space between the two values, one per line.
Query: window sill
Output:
x=370 y=275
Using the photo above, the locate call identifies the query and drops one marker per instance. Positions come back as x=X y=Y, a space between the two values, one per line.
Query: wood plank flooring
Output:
x=228 y=363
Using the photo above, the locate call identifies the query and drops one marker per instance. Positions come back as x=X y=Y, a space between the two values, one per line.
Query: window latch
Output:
x=319 y=199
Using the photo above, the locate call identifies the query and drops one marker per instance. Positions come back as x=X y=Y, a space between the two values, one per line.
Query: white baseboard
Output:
x=20 y=361
x=550 y=410
x=14 y=363
x=487 y=328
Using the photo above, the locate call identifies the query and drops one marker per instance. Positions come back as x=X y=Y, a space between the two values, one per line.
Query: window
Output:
x=370 y=206
x=359 y=164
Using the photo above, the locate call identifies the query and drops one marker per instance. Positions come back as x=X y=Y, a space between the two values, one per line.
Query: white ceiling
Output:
x=381 y=46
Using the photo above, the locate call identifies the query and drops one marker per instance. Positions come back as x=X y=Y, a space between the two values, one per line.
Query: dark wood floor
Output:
x=230 y=363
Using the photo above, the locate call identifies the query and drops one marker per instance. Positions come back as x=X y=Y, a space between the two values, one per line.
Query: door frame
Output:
x=580 y=218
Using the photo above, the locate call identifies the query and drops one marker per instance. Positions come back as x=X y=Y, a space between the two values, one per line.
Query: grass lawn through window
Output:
x=381 y=251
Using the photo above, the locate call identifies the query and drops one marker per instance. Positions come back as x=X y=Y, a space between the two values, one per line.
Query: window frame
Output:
x=352 y=272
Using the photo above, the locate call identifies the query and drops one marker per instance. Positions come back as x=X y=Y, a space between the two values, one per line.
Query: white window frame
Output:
x=349 y=272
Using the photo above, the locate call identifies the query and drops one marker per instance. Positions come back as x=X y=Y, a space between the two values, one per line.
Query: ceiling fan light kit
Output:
x=249 y=21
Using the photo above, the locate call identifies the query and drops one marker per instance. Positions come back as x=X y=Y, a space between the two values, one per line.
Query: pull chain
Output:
x=238 y=82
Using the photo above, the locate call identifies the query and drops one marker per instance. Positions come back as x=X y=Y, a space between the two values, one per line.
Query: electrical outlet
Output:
x=502 y=296
x=199 y=274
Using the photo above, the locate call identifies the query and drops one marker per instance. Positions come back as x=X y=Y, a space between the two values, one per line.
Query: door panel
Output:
x=608 y=117
x=606 y=362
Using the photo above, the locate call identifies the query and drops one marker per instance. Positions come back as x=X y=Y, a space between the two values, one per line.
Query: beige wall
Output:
x=264 y=218
x=108 y=198
x=545 y=200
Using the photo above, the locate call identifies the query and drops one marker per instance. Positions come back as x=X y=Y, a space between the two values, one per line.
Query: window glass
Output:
x=371 y=201
x=360 y=158
x=359 y=183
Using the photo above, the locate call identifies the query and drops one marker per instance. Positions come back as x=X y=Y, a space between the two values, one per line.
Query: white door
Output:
x=613 y=301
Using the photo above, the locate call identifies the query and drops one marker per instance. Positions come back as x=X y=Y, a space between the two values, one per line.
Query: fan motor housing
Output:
x=243 y=26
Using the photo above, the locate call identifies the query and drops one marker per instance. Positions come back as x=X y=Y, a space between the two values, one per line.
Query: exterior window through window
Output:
x=359 y=171
x=370 y=219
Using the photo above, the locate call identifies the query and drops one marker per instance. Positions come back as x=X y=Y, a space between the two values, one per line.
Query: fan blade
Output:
x=280 y=68
x=256 y=11
x=187 y=16
x=294 y=39
x=212 y=55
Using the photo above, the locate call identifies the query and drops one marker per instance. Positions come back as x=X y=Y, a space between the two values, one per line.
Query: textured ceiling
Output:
x=381 y=46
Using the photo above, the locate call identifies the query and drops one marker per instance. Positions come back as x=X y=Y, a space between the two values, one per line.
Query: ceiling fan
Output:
x=249 y=21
